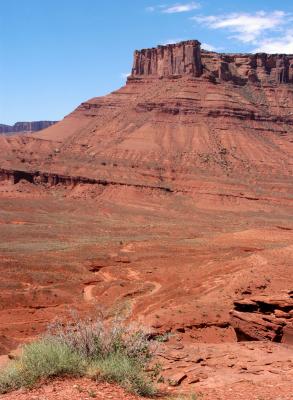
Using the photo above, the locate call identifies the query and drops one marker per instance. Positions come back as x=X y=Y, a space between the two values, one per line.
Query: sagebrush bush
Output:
x=97 y=339
x=48 y=357
x=41 y=359
x=128 y=373
x=110 y=351
x=10 y=378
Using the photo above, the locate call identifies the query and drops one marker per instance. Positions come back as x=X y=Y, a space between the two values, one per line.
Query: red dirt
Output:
x=172 y=195
x=85 y=389
x=72 y=389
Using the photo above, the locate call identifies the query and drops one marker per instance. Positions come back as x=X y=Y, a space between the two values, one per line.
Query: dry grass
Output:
x=104 y=351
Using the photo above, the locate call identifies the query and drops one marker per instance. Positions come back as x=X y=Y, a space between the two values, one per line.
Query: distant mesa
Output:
x=25 y=127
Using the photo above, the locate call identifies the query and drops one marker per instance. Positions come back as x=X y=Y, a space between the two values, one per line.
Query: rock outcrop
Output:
x=186 y=58
x=200 y=112
x=51 y=179
x=241 y=69
x=264 y=318
x=19 y=127
x=182 y=58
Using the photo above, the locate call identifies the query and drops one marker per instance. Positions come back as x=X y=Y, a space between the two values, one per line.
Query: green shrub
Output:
x=47 y=357
x=125 y=371
x=108 y=351
x=10 y=378
x=40 y=360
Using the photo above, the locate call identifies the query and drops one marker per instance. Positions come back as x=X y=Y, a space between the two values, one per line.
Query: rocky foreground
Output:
x=85 y=389
x=172 y=196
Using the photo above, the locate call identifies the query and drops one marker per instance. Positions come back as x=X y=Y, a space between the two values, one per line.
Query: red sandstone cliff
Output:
x=174 y=59
x=182 y=113
x=186 y=58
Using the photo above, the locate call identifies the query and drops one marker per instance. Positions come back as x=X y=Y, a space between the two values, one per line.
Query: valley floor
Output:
x=174 y=265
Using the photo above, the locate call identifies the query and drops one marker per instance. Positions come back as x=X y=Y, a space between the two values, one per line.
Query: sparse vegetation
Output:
x=41 y=359
x=103 y=351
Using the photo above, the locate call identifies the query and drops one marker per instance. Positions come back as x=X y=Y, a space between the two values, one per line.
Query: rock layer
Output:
x=255 y=69
x=264 y=318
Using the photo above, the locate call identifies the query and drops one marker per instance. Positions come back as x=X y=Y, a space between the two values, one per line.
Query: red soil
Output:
x=72 y=389
x=85 y=389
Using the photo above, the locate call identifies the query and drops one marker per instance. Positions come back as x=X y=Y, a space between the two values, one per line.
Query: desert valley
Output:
x=171 y=197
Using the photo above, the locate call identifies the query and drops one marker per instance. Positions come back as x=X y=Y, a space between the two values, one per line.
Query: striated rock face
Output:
x=183 y=113
x=174 y=59
x=248 y=68
x=186 y=58
x=26 y=126
x=49 y=180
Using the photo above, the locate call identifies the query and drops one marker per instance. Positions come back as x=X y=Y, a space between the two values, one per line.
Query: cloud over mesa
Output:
x=175 y=8
x=245 y=27
x=283 y=44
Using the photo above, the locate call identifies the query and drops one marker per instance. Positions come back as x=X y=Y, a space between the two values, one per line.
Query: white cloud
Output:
x=179 y=8
x=209 y=47
x=172 y=41
x=283 y=44
x=245 y=27
x=174 y=8
x=125 y=75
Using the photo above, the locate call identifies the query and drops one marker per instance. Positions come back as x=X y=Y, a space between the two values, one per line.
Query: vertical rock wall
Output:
x=182 y=58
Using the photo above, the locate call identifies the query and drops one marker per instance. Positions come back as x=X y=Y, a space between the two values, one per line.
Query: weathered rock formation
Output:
x=50 y=179
x=183 y=58
x=256 y=69
x=183 y=114
x=264 y=318
x=186 y=58
x=26 y=126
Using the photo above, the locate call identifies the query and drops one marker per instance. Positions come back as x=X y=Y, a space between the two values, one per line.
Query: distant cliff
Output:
x=19 y=127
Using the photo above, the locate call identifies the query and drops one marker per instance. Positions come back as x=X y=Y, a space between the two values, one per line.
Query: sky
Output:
x=57 y=53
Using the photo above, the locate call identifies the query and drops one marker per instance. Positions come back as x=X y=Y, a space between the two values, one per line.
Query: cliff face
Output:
x=26 y=126
x=248 y=68
x=183 y=58
x=183 y=112
x=186 y=58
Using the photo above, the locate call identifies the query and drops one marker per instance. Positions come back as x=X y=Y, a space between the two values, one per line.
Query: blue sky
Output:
x=58 y=53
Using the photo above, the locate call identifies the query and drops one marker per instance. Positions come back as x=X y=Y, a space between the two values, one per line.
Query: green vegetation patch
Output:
x=110 y=352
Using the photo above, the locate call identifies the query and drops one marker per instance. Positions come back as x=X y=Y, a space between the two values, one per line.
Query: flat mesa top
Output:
x=183 y=43
x=197 y=43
